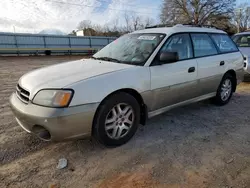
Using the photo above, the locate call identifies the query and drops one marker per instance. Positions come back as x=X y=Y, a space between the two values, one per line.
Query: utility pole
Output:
x=239 y=20
x=248 y=15
x=14 y=29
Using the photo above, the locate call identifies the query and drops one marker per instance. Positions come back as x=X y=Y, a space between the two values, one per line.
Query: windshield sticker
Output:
x=144 y=37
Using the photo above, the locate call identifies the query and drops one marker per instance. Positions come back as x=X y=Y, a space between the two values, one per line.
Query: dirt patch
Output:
x=141 y=179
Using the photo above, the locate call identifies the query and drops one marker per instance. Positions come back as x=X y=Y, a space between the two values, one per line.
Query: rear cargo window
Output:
x=224 y=43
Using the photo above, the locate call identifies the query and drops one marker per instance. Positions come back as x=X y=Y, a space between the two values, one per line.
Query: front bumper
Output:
x=54 y=123
x=246 y=77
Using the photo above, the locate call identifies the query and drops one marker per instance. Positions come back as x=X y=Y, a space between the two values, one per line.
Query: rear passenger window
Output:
x=224 y=43
x=203 y=45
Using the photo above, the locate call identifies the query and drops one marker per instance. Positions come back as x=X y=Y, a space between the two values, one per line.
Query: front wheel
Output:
x=117 y=119
x=225 y=90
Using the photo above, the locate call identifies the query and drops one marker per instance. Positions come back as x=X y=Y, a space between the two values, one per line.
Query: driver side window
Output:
x=181 y=44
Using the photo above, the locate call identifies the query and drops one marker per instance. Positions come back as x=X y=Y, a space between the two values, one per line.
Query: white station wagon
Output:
x=136 y=77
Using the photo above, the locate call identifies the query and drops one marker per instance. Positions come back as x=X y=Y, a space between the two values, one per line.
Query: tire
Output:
x=219 y=99
x=109 y=124
x=47 y=52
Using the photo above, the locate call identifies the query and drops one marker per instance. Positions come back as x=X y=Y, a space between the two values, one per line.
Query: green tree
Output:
x=73 y=33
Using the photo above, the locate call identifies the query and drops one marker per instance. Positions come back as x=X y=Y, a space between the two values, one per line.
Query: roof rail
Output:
x=158 y=26
x=198 y=25
x=179 y=25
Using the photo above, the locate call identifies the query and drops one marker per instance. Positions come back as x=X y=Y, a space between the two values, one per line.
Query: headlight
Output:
x=53 y=98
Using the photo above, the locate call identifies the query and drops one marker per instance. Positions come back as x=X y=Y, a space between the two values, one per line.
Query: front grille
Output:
x=22 y=94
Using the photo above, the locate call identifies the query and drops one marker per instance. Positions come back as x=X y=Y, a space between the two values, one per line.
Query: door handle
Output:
x=222 y=63
x=191 y=69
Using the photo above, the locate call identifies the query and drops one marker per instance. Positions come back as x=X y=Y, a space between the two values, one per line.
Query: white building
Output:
x=80 y=33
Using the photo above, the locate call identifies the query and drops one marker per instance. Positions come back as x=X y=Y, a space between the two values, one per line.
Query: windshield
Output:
x=242 y=40
x=132 y=49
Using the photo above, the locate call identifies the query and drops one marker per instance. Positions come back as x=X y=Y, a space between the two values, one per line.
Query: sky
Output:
x=35 y=15
x=32 y=16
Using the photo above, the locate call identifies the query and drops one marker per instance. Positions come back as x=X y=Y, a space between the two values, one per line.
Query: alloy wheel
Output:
x=119 y=121
x=226 y=89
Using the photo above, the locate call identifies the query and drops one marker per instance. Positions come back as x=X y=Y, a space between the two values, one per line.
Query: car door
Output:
x=209 y=63
x=174 y=82
x=214 y=54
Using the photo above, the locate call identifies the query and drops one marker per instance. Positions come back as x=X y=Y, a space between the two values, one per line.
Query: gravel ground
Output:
x=200 y=145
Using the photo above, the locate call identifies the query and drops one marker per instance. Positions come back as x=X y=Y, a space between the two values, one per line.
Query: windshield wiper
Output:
x=107 y=59
x=116 y=60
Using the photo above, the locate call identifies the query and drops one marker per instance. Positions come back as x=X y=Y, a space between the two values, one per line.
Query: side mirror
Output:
x=168 y=57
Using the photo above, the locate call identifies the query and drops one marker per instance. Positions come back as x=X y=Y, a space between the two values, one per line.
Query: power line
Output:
x=131 y=5
x=75 y=4
x=84 y=5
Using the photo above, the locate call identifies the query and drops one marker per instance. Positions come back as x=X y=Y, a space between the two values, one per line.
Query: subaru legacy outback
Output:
x=138 y=76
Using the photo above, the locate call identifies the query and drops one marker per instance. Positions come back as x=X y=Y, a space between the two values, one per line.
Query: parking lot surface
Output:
x=200 y=145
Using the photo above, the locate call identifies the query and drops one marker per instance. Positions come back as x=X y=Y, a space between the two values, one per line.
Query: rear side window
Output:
x=224 y=43
x=203 y=45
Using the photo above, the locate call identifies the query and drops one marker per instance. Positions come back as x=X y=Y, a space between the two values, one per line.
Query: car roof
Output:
x=243 y=33
x=179 y=29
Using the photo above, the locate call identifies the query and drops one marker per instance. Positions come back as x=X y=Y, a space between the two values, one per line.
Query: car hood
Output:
x=63 y=74
x=245 y=51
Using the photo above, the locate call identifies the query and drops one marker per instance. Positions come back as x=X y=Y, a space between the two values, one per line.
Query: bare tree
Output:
x=106 y=28
x=115 y=25
x=127 y=19
x=242 y=17
x=195 y=11
x=99 y=29
x=148 y=21
x=132 y=22
x=72 y=33
x=136 y=21
x=85 y=24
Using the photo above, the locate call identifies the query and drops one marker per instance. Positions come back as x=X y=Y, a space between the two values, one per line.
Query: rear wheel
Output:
x=225 y=90
x=117 y=119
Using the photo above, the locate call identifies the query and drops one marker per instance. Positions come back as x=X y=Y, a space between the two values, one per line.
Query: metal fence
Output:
x=11 y=43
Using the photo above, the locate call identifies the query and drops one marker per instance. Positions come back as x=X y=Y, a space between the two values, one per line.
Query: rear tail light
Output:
x=245 y=61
